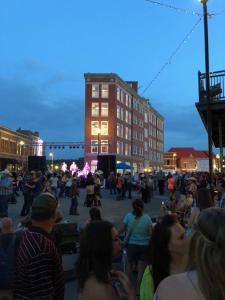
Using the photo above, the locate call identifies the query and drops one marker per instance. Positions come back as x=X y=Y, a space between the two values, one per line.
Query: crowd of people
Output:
x=178 y=256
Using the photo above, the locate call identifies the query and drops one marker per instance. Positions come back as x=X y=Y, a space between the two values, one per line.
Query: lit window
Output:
x=95 y=109
x=118 y=148
x=146 y=132
x=127 y=116
x=118 y=129
x=94 y=146
x=146 y=146
x=126 y=149
x=121 y=113
x=94 y=128
x=127 y=101
x=126 y=133
x=104 y=109
x=118 y=94
x=95 y=90
x=104 y=127
x=121 y=130
x=118 y=112
x=104 y=146
x=105 y=91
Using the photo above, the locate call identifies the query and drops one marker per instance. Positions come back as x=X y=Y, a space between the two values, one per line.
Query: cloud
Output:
x=24 y=105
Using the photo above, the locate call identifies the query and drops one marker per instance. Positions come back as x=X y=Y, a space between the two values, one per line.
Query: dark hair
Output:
x=138 y=206
x=95 y=214
x=41 y=214
x=96 y=252
x=160 y=258
x=204 y=199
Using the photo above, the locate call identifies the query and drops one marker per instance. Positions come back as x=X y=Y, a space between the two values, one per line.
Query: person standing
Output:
x=6 y=191
x=74 y=194
x=38 y=266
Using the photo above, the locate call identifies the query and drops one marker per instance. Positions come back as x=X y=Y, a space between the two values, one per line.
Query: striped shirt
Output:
x=39 y=272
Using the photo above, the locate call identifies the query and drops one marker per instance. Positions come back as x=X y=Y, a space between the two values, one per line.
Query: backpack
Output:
x=7 y=260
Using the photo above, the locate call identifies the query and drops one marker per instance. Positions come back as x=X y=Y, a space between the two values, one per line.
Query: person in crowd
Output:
x=203 y=201
x=68 y=184
x=167 y=249
x=39 y=272
x=144 y=188
x=54 y=184
x=112 y=183
x=138 y=227
x=119 y=186
x=6 y=191
x=74 y=194
x=129 y=185
x=90 y=190
x=204 y=277
x=38 y=184
x=95 y=214
x=161 y=182
x=28 y=192
x=221 y=199
x=7 y=240
x=170 y=184
x=47 y=188
x=99 y=243
x=97 y=190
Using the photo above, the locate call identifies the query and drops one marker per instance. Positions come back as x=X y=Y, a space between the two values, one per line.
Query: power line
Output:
x=187 y=36
x=183 y=10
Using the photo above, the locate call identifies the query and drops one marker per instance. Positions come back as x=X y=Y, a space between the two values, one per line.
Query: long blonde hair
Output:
x=206 y=253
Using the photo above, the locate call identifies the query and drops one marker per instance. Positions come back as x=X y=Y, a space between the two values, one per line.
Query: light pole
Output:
x=21 y=143
x=51 y=154
x=174 y=161
x=208 y=96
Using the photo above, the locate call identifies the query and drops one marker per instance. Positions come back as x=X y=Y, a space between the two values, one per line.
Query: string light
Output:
x=183 y=10
x=169 y=60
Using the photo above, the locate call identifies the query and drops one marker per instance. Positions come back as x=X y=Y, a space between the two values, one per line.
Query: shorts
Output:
x=137 y=253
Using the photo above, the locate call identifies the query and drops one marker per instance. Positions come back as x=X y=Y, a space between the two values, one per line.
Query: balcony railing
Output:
x=217 y=86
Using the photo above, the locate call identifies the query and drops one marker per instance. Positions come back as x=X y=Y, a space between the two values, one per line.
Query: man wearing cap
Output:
x=39 y=272
x=6 y=191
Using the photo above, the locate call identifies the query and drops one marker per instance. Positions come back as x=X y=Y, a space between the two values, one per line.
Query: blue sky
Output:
x=47 y=46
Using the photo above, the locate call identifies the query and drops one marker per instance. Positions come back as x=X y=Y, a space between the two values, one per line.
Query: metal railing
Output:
x=217 y=86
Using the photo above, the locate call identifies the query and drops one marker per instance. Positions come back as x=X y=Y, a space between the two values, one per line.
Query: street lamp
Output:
x=208 y=96
x=174 y=161
x=21 y=143
x=51 y=154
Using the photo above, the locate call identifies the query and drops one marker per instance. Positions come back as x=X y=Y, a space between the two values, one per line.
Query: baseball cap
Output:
x=45 y=201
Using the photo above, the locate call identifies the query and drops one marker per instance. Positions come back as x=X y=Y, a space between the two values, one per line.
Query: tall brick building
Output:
x=120 y=122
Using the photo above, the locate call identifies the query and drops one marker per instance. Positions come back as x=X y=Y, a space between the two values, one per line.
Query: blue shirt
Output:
x=141 y=232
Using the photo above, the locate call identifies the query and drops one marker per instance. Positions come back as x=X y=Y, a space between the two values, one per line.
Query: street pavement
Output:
x=111 y=210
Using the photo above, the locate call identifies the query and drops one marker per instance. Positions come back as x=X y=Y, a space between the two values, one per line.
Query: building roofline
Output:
x=126 y=86
x=17 y=133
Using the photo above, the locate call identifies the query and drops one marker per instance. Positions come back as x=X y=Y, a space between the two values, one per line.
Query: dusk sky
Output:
x=47 y=46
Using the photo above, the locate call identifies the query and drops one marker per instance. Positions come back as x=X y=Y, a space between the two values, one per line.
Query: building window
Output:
x=146 y=146
x=104 y=146
x=95 y=90
x=126 y=133
x=118 y=129
x=105 y=91
x=104 y=109
x=118 y=112
x=118 y=148
x=94 y=146
x=121 y=130
x=94 y=128
x=126 y=149
x=104 y=127
x=118 y=94
x=95 y=109
x=121 y=113
x=146 y=117
x=146 y=132
x=126 y=116
x=93 y=166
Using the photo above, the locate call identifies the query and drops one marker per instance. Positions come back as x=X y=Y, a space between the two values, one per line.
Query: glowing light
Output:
x=40 y=147
x=73 y=168
x=21 y=143
x=64 y=167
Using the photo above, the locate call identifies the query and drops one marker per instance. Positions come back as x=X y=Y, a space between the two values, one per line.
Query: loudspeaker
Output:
x=106 y=163
x=37 y=163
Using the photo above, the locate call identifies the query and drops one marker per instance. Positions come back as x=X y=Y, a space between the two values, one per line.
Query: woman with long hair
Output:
x=167 y=249
x=98 y=245
x=204 y=278
x=138 y=227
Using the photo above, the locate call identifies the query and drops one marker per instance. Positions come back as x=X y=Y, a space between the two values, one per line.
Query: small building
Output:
x=16 y=146
x=186 y=159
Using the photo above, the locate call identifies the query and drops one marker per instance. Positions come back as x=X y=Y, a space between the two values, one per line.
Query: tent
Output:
x=124 y=166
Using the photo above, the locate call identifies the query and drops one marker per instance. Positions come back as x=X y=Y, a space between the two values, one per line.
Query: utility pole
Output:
x=208 y=93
